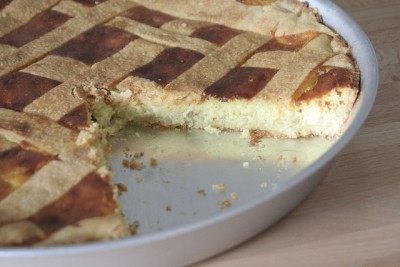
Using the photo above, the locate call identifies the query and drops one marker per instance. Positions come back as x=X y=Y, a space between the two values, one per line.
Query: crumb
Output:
x=133 y=165
x=125 y=163
x=202 y=192
x=153 y=162
x=133 y=227
x=127 y=153
x=138 y=155
x=168 y=208
x=264 y=185
x=224 y=204
x=219 y=188
x=234 y=196
x=121 y=188
x=245 y=165
x=256 y=136
x=139 y=178
x=294 y=159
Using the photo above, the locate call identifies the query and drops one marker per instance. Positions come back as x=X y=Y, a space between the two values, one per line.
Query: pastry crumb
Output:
x=264 y=185
x=138 y=155
x=136 y=165
x=133 y=165
x=256 y=137
x=153 y=162
x=133 y=227
x=139 y=178
x=125 y=163
x=246 y=165
x=202 y=192
x=168 y=208
x=219 y=188
x=234 y=196
x=224 y=204
x=121 y=188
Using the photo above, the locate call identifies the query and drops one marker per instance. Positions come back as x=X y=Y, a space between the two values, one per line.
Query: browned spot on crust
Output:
x=90 y=3
x=321 y=81
x=148 y=16
x=4 y=3
x=95 y=44
x=241 y=82
x=17 y=166
x=91 y=197
x=217 y=34
x=39 y=25
x=257 y=2
x=76 y=118
x=18 y=89
x=168 y=65
x=293 y=42
x=23 y=128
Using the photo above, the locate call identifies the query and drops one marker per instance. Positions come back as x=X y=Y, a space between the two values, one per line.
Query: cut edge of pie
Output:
x=55 y=187
x=316 y=104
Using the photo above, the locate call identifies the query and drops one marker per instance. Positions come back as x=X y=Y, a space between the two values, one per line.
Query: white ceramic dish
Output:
x=183 y=218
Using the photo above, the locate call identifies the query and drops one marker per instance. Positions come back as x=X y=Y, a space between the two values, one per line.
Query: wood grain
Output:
x=353 y=217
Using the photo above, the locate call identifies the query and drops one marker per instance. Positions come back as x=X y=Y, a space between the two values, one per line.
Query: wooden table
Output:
x=353 y=217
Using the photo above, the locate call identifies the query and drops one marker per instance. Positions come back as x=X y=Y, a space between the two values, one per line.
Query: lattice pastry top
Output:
x=258 y=65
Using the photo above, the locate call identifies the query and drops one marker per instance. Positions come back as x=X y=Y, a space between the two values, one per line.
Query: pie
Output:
x=73 y=72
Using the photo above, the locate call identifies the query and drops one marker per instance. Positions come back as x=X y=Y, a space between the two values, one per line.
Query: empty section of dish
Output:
x=171 y=177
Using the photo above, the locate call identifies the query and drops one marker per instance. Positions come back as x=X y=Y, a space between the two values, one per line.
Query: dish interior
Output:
x=185 y=176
